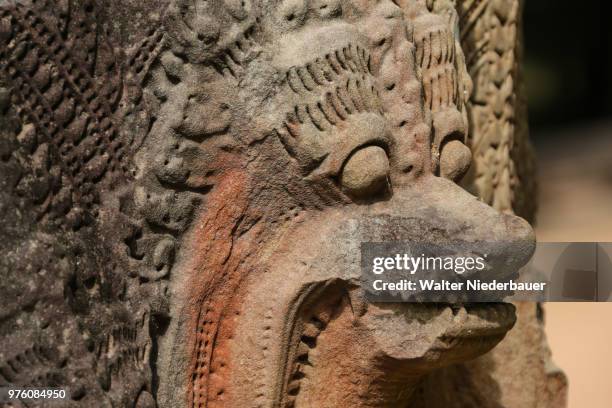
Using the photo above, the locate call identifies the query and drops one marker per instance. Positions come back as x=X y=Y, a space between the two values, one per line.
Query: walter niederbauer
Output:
x=444 y=285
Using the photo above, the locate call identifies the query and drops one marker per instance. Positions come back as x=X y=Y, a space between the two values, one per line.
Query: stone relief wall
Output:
x=185 y=185
x=502 y=174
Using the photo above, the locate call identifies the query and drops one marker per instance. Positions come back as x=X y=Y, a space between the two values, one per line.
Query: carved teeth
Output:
x=302 y=353
x=293 y=388
x=309 y=341
x=290 y=401
x=311 y=330
x=299 y=373
x=323 y=317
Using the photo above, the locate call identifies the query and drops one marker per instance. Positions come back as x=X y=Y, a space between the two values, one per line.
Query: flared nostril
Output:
x=366 y=173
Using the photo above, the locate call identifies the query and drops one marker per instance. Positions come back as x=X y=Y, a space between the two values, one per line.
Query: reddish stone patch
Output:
x=214 y=276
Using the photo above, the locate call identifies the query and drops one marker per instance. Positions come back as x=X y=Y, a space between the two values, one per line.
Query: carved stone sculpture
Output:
x=186 y=184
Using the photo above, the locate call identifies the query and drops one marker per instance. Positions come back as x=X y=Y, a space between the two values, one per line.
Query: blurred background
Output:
x=568 y=73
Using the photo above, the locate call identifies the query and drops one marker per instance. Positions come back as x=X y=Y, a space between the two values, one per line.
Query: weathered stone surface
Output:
x=366 y=172
x=185 y=186
x=455 y=160
x=502 y=174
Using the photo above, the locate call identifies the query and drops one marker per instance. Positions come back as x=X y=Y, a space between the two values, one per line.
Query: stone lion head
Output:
x=206 y=187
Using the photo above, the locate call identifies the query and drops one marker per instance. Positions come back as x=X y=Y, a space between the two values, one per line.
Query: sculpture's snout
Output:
x=453 y=214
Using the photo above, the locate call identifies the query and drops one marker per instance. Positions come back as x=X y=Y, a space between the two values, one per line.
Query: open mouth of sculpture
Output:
x=473 y=330
x=469 y=330
x=325 y=299
x=453 y=325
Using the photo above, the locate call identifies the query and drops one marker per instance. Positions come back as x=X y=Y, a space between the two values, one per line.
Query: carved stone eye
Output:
x=366 y=173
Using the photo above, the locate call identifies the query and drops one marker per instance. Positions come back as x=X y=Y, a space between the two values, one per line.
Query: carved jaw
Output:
x=377 y=359
x=308 y=292
x=422 y=337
